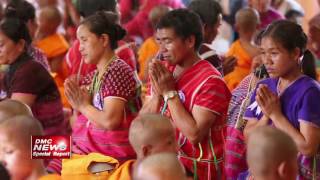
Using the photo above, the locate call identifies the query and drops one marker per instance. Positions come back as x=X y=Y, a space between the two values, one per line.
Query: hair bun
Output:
x=120 y=32
x=10 y=12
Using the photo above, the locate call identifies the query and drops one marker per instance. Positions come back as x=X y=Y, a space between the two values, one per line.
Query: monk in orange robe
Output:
x=247 y=21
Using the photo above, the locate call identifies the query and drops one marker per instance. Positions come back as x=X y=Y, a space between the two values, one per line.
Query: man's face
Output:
x=173 y=48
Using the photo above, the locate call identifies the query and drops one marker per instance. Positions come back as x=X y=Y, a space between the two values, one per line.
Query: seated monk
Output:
x=149 y=134
x=153 y=167
x=15 y=149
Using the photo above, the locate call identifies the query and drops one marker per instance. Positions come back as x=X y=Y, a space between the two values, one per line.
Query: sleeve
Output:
x=253 y=110
x=309 y=111
x=31 y=78
x=119 y=82
x=214 y=96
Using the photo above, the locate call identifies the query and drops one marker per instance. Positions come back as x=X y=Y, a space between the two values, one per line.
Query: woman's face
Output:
x=9 y=50
x=91 y=46
x=278 y=61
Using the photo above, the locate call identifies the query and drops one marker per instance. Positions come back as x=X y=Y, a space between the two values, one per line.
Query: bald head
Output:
x=160 y=166
x=157 y=13
x=151 y=131
x=23 y=127
x=247 y=19
x=10 y=108
x=268 y=148
x=49 y=19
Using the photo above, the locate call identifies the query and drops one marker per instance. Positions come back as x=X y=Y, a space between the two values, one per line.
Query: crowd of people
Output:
x=143 y=94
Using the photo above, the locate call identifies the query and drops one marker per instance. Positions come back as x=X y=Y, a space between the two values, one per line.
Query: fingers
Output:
x=263 y=92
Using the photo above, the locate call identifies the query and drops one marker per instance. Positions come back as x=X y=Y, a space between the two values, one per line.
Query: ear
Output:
x=283 y=170
x=190 y=41
x=21 y=44
x=105 y=40
x=146 y=150
x=296 y=54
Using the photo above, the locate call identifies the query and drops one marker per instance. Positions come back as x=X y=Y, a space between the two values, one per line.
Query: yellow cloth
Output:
x=242 y=69
x=147 y=50
x=50 y=177
x=53 y=46
x=123 y=172
x=77 y=166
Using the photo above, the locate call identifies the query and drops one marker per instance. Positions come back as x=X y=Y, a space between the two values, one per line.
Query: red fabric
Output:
x=73 y=59
x=202 y=85
x=141 y=19
x=127 y=54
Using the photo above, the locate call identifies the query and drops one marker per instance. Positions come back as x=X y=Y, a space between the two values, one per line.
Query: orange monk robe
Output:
x=54 y=46
x=50 y=177
x=147 y=51
x=242 y=69
x=78 y=166
x=123 y=172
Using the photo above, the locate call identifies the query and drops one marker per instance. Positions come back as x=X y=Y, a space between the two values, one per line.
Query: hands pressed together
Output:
x=161 y=78
x=268 y=102
x=77 y=96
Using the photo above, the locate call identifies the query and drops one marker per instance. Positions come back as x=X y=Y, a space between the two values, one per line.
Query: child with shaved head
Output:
x=271 y=154
x=10 y=108
x=160 y=166
x=15 y=155
x=244 y=50
x=149 y=134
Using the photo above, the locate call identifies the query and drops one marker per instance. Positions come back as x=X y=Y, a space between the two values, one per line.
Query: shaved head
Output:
x=267 y=149
x=23 y=127
x=247 y=19
x=10 y=108
x=160 y=166
x=154 y=131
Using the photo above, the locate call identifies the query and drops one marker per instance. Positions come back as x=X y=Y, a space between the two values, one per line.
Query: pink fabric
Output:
x=141 y=19
x=118 y=82
x=268 y=17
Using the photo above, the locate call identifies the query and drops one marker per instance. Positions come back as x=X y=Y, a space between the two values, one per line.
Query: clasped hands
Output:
x=268 y=102
x=78 y=96
x=161 y=78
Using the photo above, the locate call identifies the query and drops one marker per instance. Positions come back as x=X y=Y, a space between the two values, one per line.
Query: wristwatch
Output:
x=169 y=95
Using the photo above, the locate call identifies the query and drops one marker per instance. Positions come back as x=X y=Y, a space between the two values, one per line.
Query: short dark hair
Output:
x=208 y=10
x=104 y=23
x=185 y=23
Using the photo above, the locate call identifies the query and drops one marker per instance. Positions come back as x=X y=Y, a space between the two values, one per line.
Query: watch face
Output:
x=182 y=97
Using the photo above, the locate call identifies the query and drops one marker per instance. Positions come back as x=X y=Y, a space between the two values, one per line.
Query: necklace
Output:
x=97 y=81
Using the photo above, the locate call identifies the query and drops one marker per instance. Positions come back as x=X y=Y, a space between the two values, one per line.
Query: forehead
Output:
x=268 y=42
x=166 y=33
x=83 y=30
x=3 y=36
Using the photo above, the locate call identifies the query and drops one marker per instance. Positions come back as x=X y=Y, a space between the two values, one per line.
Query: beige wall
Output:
x=311 y=8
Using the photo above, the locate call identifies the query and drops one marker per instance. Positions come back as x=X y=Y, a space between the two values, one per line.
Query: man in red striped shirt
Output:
x=191 y=92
